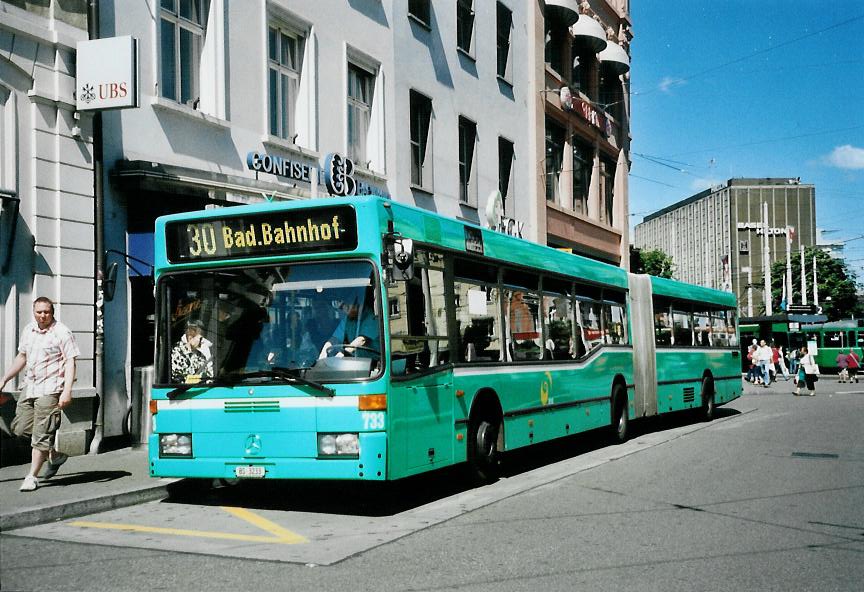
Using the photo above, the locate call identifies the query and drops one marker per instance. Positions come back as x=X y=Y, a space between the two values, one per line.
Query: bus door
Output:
x=421 y=401
x=644 y=350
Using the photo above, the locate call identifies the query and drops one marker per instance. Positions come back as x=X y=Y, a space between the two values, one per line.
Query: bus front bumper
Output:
x=370 y=465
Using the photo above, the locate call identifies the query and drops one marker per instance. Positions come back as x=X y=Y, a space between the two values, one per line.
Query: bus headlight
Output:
x=338 y=445
x=175 y=445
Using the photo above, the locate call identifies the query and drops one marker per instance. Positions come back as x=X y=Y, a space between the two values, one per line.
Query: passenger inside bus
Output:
x=191 y=358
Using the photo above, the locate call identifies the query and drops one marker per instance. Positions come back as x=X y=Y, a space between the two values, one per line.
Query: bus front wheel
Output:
x=484 y=458
x=620 y=416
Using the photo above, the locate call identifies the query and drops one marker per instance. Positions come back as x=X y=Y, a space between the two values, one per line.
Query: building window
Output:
x=583 y=162
x=583 y=68
x=421 y=141
x=554 y=159
x=285 y=62
x=607 y=184
x=505 y=170
x=361 y=87
x=420 y=10
x=464 y=24
x=555 y=43
x=467 y=173
x=504 y=26
x=183 y=28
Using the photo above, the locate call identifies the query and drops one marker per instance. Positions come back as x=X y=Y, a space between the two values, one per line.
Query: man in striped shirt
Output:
x=47 y=351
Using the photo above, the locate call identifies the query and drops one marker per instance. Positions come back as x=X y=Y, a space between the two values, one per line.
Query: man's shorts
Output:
x=39 y=419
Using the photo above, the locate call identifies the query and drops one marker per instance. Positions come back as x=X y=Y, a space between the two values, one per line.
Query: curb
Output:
x=62 y=511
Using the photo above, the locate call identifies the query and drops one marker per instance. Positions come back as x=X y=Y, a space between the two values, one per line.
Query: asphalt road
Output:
x=768 y=497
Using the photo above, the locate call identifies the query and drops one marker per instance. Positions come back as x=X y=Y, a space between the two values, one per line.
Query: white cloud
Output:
x=846 y=157
x=668 y=82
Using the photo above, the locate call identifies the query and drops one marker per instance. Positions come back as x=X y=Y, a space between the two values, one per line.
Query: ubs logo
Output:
x=253 y=445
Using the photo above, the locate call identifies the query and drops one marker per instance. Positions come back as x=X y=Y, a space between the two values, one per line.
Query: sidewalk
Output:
x=84 y=484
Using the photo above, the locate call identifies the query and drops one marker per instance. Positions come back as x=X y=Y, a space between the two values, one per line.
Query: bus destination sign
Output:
x=284 y=232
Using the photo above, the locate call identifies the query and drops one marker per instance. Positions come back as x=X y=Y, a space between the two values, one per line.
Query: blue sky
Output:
x=739 y=88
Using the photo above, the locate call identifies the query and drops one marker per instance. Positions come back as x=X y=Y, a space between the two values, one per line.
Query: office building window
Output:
x=504 y=27
x=182 y=30
x=464 y=24
x=420 y=10
x=554 y=159
x=421 y=141
x=285 y=62
x=505 y=170
x=467 y=173
x=361 y=87
x=583 y=162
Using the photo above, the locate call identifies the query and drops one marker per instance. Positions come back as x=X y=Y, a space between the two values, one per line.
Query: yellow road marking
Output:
x=282 y=536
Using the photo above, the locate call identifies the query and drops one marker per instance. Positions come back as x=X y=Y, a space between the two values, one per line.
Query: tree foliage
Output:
x=656 y=262
x=836 y=284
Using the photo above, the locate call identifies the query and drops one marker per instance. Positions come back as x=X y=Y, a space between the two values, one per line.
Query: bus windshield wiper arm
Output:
x=285 y=374
x=204 y=384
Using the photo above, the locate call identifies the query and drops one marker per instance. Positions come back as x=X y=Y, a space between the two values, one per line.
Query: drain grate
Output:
x=815 y=455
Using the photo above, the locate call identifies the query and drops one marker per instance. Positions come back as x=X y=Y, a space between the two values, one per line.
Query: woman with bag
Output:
x=808 y=372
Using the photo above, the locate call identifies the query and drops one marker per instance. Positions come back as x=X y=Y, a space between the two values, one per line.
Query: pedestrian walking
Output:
x=764 y=356
x=853 y=363
x=47 y=353
x=793 y=361
x=780 y=363
x=842 y=364
x=808 y=372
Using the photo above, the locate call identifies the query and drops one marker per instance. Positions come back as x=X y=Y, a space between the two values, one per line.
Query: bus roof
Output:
x=675 y=289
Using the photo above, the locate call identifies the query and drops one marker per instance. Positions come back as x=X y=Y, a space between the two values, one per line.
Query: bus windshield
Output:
x=319 y=319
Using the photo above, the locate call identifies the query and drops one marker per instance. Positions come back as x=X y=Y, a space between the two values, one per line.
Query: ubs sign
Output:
x=107 y=74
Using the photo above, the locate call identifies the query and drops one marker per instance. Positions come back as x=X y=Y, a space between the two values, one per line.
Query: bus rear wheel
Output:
x=484 y=458
x=709 y=407
x=620 y=416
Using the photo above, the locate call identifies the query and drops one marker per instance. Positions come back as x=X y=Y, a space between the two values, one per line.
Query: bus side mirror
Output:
x=402 y=260
x=109 y=284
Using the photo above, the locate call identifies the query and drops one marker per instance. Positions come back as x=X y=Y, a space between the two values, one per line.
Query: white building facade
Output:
x=46 y=193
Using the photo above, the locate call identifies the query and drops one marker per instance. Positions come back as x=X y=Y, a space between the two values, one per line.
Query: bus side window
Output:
x=614 y=318
x=682 y=328
x=702 y=327
x=418 y=325
x=478 y=319
x=662 y=325
x=559 y=327
x=592 y=330
x=730 y=328
x=719 y=330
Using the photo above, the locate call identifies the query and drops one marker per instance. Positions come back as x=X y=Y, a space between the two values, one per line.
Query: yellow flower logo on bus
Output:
x=545 y=387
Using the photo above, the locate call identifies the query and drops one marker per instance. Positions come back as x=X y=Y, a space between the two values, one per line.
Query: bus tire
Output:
x=709 y=406
x=484 y=458
x=620 y=415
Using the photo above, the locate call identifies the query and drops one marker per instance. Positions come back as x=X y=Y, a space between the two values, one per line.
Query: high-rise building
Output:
x=719 y=237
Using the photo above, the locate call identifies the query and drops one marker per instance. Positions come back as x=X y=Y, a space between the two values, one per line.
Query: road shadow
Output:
x=377 y=499
x=83 y=478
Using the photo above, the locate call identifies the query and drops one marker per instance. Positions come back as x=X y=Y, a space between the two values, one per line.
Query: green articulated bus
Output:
x=366 y=339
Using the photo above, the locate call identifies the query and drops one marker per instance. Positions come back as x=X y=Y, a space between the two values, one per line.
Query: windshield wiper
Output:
x=204 y=384
x=286 y=374
x=235 y=378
